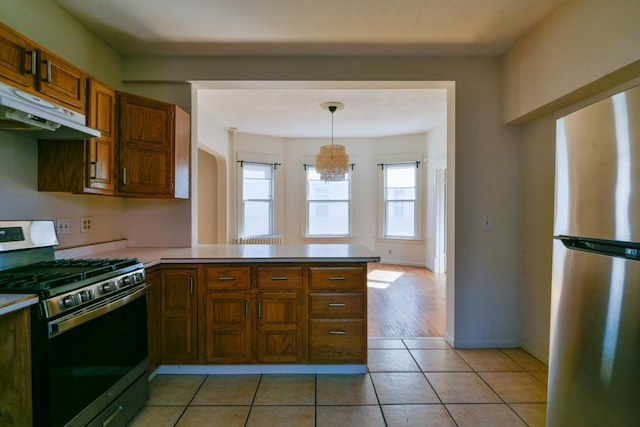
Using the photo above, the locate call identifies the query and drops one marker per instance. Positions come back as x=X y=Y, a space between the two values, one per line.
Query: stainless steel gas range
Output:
x=88 y=331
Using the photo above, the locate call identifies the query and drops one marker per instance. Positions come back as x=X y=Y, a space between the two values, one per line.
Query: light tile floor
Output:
x=411 y=382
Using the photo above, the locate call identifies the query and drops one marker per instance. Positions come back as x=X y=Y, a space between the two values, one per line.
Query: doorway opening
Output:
x=426 y=316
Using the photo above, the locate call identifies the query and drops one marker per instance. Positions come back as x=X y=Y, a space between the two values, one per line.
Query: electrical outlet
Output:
x=389 y=250
x=86 y=224
x=62 y=225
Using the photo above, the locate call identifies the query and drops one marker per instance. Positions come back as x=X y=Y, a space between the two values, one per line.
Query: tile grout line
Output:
x=253 y=400
x=191 y=400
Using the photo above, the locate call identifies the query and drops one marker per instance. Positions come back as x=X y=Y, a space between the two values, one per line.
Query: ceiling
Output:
x=314 y=28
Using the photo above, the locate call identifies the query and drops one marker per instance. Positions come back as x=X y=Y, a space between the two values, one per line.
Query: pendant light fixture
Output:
x=332 y=163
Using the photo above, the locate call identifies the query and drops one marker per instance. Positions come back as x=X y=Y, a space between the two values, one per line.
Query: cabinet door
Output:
x=62 y=81
x=15 y=369
x=100 y=173
x=228 y=327
x=179 y=315
x=145 y=146
x=17 y=58
x=279 y=327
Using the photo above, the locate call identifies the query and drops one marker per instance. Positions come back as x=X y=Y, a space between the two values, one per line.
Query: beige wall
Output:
x=582 y=48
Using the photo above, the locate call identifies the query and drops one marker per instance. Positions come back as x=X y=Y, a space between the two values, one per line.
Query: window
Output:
x=328 y=205
x=401 y=205
x=257 y=199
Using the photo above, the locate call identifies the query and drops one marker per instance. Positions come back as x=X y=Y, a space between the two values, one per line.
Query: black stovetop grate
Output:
x=50 y=274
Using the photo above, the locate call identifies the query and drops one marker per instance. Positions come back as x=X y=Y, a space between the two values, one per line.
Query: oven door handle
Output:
x=69 y=322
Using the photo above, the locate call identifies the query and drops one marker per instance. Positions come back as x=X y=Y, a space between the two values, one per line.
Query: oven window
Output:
x=85 y=361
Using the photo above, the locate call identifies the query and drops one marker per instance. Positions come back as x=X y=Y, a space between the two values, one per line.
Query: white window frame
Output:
x=306 y=201
x=414 y=162
x=241 y=201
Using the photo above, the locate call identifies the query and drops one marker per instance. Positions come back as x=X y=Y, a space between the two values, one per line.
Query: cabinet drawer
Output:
x=227 y=277
x=336 y=277
x=336 y=304
x=280 y=277
x=337 y=341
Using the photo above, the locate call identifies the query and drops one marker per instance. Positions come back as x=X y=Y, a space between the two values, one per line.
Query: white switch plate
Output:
x=86 y=224
x=62 y=225
x=487 y=223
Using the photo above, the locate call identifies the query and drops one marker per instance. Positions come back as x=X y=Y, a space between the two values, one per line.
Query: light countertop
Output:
x=13 y=302
x=234 y=253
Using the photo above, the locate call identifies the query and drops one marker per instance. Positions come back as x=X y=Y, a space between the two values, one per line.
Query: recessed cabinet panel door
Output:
x=228 y=327
x=179 y=315
x=146 y=171
x=147 y=125
x=279 y=327
x=15 y=58
x=145 y=146
x=62 y=81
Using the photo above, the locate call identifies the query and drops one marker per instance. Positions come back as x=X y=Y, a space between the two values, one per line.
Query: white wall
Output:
x=292 y=153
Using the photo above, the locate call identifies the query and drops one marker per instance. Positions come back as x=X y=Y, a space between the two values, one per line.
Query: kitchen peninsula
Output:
x=254 y=308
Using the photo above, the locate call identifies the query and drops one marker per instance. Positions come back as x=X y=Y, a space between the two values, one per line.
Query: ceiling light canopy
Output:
x=332 y=163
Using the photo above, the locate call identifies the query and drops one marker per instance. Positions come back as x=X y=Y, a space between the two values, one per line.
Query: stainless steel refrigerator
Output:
x=594 y=360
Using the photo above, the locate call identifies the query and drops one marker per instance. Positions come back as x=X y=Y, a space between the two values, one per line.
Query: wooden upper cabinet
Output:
x=34 y=69
x=100 y=152
x=62 y=81
x=154 y=148
x=83 y=166
x=17 y=58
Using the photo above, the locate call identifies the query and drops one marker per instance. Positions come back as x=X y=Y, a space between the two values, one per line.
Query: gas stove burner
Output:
x=47 y=275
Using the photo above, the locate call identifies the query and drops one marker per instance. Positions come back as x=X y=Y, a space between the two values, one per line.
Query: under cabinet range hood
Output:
x=30 y=115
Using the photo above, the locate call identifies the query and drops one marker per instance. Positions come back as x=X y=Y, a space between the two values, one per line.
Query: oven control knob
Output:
x=86 y=295
x=126 y=280
x=109 y=287
x=71 y=300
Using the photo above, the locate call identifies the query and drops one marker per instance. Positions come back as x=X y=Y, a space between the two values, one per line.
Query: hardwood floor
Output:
x=405 y=301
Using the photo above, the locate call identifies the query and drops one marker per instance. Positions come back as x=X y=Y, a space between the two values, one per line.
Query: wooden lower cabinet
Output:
x=15 y=369
x=179 y=315
x=228 y=327
x=241 y=313
x=279 y=327
x=338 y=313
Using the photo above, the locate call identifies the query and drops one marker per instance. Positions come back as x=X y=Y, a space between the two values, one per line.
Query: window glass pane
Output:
x=257 y=218
x=256 y=181
x=401 y=194
x=329 y=204
x=400 y=219
x=328 y=218
x=334 y=190
x=400 y=175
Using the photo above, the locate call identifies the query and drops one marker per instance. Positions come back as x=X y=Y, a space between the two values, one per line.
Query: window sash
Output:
x=400 y=201
x=334 y=198
x=257 y=199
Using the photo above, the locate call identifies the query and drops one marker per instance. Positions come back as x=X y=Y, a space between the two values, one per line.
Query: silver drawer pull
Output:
x=337 y=304
x=280 y=278
x=225 y=279
x=337 y=332
x=336 y=278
